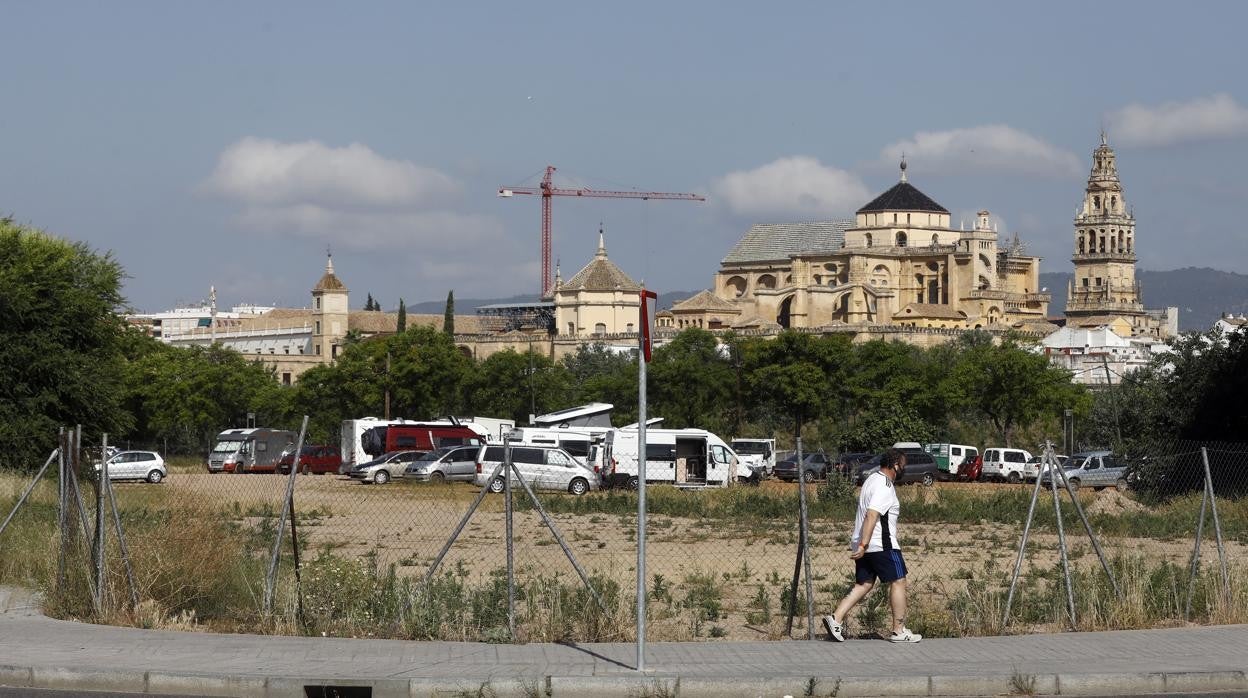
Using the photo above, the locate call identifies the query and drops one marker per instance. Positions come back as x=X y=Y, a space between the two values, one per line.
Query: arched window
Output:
x=1081 y=247
x=935 y=239
x=869 y=244
x=736 y=285
x=784 y=317
x=767 y=281
x=881 y=277
x=1096 y=203
x=984 y=284
x=901 y=239
x=1122 y=241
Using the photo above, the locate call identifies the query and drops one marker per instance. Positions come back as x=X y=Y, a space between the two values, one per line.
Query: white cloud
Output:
x=1203 y=119
x=397 y=231
x=990 y=148
x=798 y=186
x=258 y=170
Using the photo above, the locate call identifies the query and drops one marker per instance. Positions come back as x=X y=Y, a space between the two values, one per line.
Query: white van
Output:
x=684 y=457
x=759 y=454
x=1009 y=464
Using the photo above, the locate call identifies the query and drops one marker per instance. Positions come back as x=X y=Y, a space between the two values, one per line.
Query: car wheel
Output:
x=928 y=480
x=578 y=486
x=1013 y=479
x=437 y=476
x=1074 y=483
x=497 y=485
x=381 y=477
x=811 y=476
x=155 y=476
x=1121 y=485
x=633 y=483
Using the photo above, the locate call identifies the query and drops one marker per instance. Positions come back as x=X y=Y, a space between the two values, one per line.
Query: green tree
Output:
x=690 y=381
x=598 y=374
x=401 y=324
x=514 y=385
x=1009 y=385
x=369 y=304
x=795 y=378
x=448 y=315
x=61 y=341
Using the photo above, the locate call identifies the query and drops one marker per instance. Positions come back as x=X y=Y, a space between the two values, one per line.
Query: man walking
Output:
x=875 y=551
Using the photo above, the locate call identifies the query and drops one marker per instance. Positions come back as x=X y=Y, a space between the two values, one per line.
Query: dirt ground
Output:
x=750 y=563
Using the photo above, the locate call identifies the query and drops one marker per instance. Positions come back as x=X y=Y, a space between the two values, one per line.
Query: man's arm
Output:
x=868 y=527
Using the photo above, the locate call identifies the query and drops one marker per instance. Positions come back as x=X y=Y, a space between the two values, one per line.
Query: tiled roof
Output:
x=601 y=274
x=766 y=242
x=932 y=310
x=903 y=197
x=328 y=281
x=705 y=300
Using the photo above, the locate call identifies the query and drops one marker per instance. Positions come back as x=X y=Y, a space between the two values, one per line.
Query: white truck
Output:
x=759 y=454
x=690 y=458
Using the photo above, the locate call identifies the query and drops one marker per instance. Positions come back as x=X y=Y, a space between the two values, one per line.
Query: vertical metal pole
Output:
x=270 y=580
x=294 y=548
x=805 y=543
x=61 y=447
x=99 y=522
x=1200 y=533
x=1096 y=545
x=1049 y=462
x=801 y=542
x=641 y=497
x=1217 y=524
x=509 y=516
x=1061 y=543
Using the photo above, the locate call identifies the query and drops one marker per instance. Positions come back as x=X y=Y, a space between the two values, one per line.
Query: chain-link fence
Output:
x=721 y=562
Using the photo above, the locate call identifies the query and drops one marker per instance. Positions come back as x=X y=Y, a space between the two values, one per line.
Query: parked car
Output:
x=1035 y=466
x=1097 y=469
x=136 y=465
x=921 y=467
x=1005 y=463
x=847 y=463
x=542 y=467
x=312 y=459
x=815 y=465
x=447 y=463
x=383 y=469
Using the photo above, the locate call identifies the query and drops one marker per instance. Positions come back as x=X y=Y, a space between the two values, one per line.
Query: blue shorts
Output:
x=886 y=565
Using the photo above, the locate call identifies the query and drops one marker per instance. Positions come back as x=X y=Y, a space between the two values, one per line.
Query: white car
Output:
x=1009 y=464
x=136 y=465
x=542 y=467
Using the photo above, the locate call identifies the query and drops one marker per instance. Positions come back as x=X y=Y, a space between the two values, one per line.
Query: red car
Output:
x=313 y=459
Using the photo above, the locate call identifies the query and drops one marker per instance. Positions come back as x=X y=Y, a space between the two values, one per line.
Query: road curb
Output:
x=629 y=686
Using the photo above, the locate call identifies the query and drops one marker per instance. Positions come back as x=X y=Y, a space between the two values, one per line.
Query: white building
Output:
x=1097 y=356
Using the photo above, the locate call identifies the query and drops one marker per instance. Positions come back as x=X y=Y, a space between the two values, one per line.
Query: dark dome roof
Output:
x=903 y=197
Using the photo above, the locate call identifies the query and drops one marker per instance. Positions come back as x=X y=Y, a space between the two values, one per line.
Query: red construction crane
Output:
x=548 y=190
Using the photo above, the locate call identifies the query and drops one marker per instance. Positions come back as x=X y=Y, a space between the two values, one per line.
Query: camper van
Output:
x=249 y=450
x=576 y=441
x=684 y=457
x=367 y=438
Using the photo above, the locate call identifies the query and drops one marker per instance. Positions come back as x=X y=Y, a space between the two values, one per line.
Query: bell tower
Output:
x=1104 y=254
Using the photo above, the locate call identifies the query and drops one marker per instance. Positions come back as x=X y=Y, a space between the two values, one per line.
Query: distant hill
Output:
x=1201 y=294
x=468 y=306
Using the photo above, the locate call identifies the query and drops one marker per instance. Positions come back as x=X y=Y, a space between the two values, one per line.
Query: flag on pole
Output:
x=644 y=296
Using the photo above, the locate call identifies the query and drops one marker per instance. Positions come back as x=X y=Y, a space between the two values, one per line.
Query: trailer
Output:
x=249 y=450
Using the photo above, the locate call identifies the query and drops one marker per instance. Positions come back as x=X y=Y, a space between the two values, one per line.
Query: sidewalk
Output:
x=36 y=651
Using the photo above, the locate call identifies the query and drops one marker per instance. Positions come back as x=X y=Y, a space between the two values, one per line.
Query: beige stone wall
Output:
x=581 y=312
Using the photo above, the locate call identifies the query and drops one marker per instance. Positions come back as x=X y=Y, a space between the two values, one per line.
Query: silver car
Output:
x=542 y=467
x=136 y=465
x=446 y=463
x=1096 y=469
x=385 y=468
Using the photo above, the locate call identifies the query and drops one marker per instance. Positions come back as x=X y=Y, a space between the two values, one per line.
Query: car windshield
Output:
x=227 y=447
x=436 y=454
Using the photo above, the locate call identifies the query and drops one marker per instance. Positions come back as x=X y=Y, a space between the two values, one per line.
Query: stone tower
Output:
x=330 y=314
x=1104 y=286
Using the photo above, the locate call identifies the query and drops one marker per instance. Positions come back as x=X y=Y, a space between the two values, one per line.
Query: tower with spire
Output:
x=330 y=313
x=599 y=299
x=1104 y=286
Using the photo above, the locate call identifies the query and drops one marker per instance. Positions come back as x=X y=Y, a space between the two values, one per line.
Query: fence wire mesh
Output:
x=720 y=561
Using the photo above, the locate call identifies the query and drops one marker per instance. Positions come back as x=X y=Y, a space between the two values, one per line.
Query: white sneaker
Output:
x=836 y=631
x=904 y=635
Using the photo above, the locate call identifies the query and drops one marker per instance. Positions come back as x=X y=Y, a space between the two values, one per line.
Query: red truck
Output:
x=312 y=459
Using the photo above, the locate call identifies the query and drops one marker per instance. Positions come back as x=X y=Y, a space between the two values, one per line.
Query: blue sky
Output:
x=229 y=143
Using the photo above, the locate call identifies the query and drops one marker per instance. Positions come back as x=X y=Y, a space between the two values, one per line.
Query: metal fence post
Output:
x=1217 y=525
x=509 y=513
x=270 y=580
x=99 y=523
x=62 y=520
x=1050 y=462
x=642 y=457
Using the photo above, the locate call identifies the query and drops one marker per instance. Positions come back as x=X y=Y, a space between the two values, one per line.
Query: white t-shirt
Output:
x=878 y=495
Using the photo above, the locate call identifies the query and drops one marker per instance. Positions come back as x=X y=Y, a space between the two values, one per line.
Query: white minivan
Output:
x=1007 y=464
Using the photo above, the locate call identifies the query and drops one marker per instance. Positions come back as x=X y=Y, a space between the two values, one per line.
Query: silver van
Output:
x=542 y=467
x=1097 y=469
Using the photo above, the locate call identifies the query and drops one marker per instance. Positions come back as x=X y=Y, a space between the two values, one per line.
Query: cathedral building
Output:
x=899 y=263
x=1104 y=292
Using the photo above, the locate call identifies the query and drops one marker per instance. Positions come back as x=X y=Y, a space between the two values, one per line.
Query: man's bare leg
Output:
x=851 y=599
x=897 y=601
